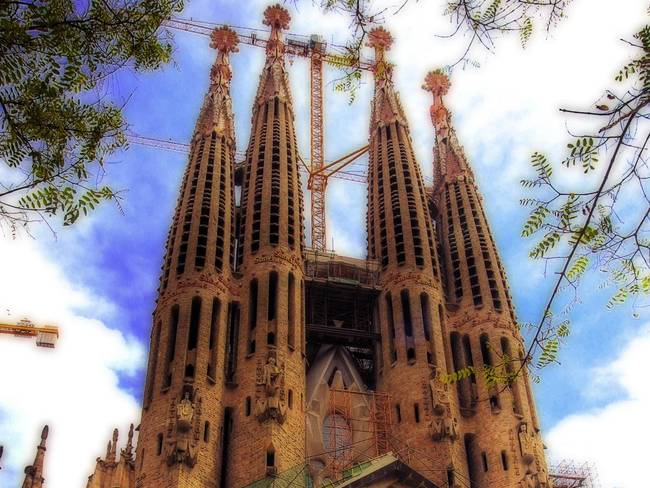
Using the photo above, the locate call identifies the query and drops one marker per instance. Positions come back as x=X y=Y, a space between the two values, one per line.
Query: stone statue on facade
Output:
x=269 y=402
x=526 y=444
x=443 y=425
x=530 y=480
x=184 y=429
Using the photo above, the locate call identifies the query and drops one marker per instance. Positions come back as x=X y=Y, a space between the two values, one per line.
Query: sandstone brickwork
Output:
x=498 y=423
x=411 y=309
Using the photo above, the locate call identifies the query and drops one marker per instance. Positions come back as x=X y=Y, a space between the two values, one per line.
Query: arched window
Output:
x=504 y=460
x=159 y=444
x=291 y=313
x=273 y=296
x=408 y=325
x=391 y=327
x=171 y=345
x=195 y=320
x=206 y=431
x=514 y=385
x=252 y=315
x=214 y=332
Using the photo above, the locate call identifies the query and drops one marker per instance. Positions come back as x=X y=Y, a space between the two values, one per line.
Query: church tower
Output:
x=271 y=364
x=498 y=425
x=267 y=431
x=184 y=391
x=410 y=307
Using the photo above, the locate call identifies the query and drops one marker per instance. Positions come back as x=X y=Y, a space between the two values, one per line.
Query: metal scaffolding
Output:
x=569 y=474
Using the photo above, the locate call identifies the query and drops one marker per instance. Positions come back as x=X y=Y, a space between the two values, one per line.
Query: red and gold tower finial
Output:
x=438 y=84
x=225 y=40
x=380 y=40
x=448 y=155
x=277 y=18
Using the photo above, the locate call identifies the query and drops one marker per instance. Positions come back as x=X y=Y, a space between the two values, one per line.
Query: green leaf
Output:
x=578 y=268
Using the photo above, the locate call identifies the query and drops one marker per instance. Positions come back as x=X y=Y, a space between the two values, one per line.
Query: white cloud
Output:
x=614 y=436
x=75 y=387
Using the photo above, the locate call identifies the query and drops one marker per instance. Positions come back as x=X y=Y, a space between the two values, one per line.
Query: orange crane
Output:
x=315 y=49
x=46 y=336
x=355 y=175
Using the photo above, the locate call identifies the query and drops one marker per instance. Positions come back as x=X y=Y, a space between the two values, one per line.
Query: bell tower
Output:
x=266 y=389
x=498 y=425
x=410 y=307
x=184 y=390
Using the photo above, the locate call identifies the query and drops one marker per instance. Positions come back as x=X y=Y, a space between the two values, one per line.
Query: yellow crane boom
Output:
x=46 y=336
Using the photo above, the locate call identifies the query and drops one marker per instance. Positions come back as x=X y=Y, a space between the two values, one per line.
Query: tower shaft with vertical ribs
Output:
x=268 y=437
x=499 y=426
x=411 y=306
x=184 y=392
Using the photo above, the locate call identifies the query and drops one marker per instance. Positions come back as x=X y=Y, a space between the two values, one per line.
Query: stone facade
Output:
x=242 y=389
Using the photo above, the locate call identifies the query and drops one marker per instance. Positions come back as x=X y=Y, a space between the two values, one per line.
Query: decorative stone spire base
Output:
x=111 y=472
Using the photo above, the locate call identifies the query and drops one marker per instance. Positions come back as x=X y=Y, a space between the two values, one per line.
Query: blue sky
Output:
x=98 y=280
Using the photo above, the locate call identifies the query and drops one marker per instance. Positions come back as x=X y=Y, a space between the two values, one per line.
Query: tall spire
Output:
x=216 y=113
x=128 y=451
x=273 y=80
x=112 y=472
x=268 y=344
x=111 y=451
x=448 y=156
x=195 y=297
x=386 y=106
x=34 y=473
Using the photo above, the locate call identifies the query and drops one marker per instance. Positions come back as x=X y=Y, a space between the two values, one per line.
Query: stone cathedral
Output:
x=274 y=365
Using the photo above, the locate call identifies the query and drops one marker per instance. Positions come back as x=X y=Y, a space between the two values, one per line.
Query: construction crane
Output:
x=355 y=175
x=46 y=336
x=314 y=48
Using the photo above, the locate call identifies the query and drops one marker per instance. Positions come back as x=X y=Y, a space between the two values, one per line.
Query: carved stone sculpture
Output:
x=269 y=402
x=530 y=480
x=526 y=444
x=183 y=430
x=444 y=425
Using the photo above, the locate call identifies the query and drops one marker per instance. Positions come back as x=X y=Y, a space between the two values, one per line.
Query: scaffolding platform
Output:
x=340 y=295
x=569 y=474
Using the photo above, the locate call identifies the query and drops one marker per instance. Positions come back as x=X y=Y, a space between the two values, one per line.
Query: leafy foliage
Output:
x=481 y=22
x=56 y=128
x=589 y=224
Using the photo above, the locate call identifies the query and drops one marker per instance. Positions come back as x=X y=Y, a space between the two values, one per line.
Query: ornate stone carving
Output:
x=270 y=395
x=444 y=425
x=531 y=480
x=526 y=444
x=207 y=281
x=414 y=277
x=281 y=256
x=183 y=429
